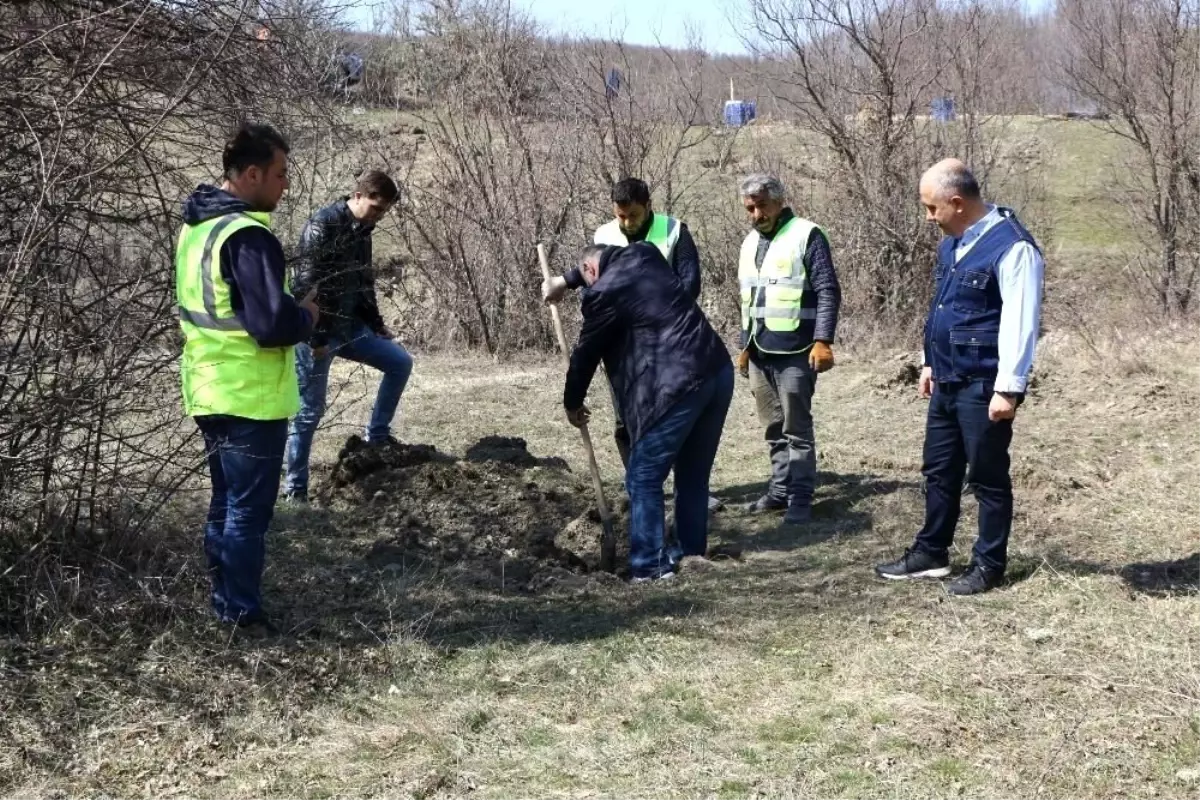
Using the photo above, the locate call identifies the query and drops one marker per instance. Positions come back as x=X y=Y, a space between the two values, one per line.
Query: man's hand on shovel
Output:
x=554 y=289
x=580 y=416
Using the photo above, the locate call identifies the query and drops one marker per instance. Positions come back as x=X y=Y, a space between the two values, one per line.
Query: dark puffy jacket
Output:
x=335 y=256
x=655 y=342
x=685 y=259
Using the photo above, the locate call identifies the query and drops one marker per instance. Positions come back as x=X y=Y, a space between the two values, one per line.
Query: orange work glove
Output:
x=743 y=363
x=820 y=357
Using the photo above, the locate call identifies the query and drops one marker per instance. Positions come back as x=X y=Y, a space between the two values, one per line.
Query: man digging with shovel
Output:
x=635 y=220
x=673 y=382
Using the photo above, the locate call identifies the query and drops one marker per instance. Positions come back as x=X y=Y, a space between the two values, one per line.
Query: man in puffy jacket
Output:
x=635 y=220
x=335 y=260
x=673 y=382
x=240 y=325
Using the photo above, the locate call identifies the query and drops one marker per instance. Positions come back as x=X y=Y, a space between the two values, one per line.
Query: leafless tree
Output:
x=1138 y=61
x=109 y=113
x=645 y=120
x=861 y=75
x=496 y=178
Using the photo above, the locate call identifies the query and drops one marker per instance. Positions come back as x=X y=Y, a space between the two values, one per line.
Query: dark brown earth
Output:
x=500 y=517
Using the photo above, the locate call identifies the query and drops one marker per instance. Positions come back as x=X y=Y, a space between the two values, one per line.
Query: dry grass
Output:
x=792 y=673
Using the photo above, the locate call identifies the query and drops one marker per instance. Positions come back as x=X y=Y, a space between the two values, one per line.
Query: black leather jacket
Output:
x=335 y=256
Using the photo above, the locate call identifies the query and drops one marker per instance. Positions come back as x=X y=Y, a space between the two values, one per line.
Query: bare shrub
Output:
x=110 y=113
x=1138 y=61
x=861 y=75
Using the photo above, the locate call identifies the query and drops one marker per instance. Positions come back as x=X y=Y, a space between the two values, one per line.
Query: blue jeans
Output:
x=364 y=347
x=959 y=438
x=686 y=438
x=244 y=460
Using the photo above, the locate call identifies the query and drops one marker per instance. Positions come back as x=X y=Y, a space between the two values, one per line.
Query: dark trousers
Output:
x=686 y=439
x=783 y=388
x=959 y=438
x=245 y=457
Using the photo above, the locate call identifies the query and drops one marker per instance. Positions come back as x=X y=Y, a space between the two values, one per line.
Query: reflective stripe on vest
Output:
x=663 y=234
x=223 y=369
x=209 y=318
x=772 y=297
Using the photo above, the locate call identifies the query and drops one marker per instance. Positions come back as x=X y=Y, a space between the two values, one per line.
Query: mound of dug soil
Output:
x=499 y=518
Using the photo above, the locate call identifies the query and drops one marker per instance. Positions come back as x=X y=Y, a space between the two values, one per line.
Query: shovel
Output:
x=608 y=544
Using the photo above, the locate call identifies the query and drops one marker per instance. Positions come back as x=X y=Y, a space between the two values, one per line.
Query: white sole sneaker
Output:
x=670 y=576
x=938 y=572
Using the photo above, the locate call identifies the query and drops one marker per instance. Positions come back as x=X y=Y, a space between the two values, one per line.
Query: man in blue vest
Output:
x=979 y=346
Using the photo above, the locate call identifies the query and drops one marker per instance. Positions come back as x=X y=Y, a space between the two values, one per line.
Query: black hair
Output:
x=629 y=191
x=252 y=145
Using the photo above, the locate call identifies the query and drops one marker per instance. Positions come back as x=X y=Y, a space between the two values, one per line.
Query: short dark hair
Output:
x=631 y=190
x=378 y=185
x=252 y=145
x=591 y=250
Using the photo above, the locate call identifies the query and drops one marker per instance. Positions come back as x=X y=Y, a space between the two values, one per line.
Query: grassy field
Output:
x=792 y=672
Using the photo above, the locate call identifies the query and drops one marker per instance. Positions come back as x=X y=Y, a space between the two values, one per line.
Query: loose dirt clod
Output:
x=499 y=518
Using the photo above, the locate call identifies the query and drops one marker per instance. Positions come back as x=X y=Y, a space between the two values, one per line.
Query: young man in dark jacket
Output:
x=673 y=381
x=335 y=251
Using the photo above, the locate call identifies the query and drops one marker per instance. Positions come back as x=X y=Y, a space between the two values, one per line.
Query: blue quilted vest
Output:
x=963 y=327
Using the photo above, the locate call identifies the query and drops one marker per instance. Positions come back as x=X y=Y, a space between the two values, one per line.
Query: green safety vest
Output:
x=773 y=296
x=223 y=369
x=663 y=234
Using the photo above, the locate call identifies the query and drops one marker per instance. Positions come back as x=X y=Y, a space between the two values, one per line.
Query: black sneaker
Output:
x=296 y=497
x=914 y=564
x=766 y=503
x=976 y=580
x=255 y=628
x=798 y=515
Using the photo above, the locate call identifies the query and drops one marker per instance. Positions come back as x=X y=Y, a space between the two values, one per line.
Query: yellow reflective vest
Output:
x=663 y=234
x=223 y=369
x=777 y=315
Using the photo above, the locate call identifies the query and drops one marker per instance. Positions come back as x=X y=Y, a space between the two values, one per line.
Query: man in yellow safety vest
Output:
x=790 y=299
x=240 y=325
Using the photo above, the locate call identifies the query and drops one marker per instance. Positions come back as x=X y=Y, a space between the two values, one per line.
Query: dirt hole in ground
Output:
x=499 y=517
